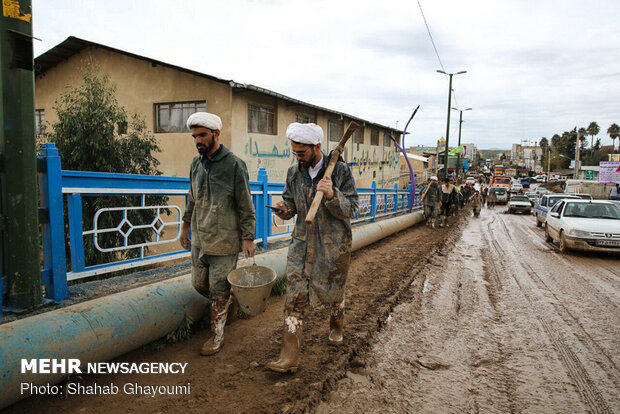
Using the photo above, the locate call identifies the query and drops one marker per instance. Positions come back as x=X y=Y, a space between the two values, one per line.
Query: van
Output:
x=501 y=194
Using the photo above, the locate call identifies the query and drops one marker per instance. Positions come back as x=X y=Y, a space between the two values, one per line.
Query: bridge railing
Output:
x=57 y=185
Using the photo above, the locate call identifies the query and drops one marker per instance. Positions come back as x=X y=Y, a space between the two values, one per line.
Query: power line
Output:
x=431 y=36
x=435 y=48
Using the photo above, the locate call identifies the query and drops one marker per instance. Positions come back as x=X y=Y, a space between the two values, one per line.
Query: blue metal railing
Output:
x=75 y=185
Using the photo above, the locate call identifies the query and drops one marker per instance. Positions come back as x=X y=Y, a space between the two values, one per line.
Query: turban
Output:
x=310 y=134
x=204 y=119
x=433 y=178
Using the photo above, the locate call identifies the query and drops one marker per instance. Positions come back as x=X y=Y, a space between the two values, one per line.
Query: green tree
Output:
x=614 y=132
x=94 y=133
x=593 y=129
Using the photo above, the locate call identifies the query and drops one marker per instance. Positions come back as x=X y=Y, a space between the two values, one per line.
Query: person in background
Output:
x=614 y=194
x=431 y=199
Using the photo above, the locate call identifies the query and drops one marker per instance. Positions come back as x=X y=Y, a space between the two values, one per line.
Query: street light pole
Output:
x=445 y=167
x=458 y=156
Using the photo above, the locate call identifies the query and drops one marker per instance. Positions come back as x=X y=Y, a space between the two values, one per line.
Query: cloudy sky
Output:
x=534 y=68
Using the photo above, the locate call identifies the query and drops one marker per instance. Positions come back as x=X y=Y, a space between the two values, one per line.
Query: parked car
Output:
x=501 y=194
x=591 y=225
x=525 y=182
x=584 y=196
x=516 y=188
x=546 y=202
x=541 y=178
x=519 y=204
x=470 y=180
x=541 y=190
x=532 y=196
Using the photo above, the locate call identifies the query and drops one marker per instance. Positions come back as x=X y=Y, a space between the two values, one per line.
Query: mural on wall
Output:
x=368 y=168
x=275 y=160
x=274 y=154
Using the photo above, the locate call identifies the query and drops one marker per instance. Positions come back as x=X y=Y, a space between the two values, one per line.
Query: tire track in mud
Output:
x=573 y=364
x=600 y=295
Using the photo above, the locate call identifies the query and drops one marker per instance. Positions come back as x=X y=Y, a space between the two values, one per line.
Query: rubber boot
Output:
x=233 y=310
x=336 y=324
x=442 y=220
x=291 y=344
x=219 y=310
x=433 y=221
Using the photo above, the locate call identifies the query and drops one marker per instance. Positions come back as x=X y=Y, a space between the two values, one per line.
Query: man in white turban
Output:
x=319 y=254
x=220 y=213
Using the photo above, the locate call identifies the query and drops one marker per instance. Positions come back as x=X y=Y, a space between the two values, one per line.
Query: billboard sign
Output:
x=609 y=172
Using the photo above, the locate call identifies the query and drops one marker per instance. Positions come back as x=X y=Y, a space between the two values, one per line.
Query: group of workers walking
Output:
x=220 y=214
x=442 y=201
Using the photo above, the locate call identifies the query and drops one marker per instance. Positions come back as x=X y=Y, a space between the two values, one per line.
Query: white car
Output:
x=590 y=225
x=516 y=188
x=541 y=179
x=470 y=180
x=519 y=204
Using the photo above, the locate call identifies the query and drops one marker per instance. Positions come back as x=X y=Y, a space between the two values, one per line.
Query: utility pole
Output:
x=576 y=173
x=19 y=224
x=458 y=157
x=445 y=168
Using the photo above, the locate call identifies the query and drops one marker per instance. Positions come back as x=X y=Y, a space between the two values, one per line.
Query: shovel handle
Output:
x=318 y=197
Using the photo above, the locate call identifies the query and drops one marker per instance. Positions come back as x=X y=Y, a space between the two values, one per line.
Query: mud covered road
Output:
x=235 y=380
x=503 y=323
x=481 y=317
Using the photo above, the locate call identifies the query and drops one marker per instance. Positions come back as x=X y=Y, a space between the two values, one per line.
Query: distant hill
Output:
x=492 y=153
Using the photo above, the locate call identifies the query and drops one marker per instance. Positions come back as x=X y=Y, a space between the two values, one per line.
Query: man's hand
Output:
x=185 y=243
x=283 y=209
x=326 y=187
x=249 y=248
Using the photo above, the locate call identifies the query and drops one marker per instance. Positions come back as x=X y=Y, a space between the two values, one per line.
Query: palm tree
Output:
x=614 y=132
x=593 y=129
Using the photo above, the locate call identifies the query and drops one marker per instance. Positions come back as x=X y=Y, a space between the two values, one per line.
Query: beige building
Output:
x=254 y=119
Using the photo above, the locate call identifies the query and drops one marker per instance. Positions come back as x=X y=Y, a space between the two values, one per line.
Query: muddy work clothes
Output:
x=209 y=274
x=431 y=201
x=448 y=193
x=221 y=214
x=319 y=254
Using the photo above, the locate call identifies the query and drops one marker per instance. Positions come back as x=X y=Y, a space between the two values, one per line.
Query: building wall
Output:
x=140 y=84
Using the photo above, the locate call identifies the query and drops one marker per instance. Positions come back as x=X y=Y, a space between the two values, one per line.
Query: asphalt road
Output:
x=503 y=322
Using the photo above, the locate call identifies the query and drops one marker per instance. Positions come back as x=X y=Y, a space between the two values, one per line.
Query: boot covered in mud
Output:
x=434 y=222
x=336 y=324
x=291 y=345
x=219 y=310
x=233 y=310
x=442 y=221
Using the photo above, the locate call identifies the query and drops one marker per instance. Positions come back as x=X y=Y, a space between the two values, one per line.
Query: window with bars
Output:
x=335 y=130
x=171 y=117
x=261 y=119
x=358 y=136
x=305 y=118
x=39 y=121
x=374 y=137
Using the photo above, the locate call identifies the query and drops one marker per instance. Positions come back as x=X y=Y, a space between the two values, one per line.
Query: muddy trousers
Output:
x=209 y=278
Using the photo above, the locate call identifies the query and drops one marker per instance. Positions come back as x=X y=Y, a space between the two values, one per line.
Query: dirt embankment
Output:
x=235 y=380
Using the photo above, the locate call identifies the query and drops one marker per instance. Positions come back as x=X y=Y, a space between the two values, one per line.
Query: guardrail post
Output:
x=54 y=232
x=263 y=214
x=410 y=202
x=373 y=201
x=395 y=198
x=76 y=227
